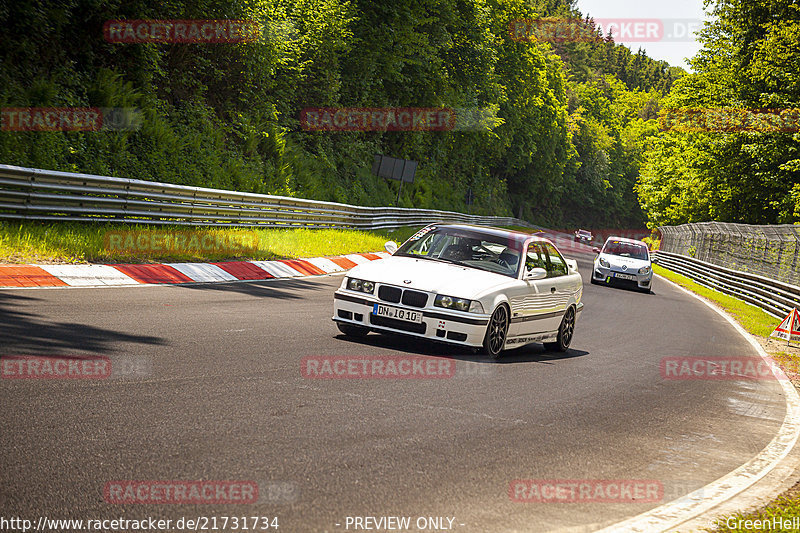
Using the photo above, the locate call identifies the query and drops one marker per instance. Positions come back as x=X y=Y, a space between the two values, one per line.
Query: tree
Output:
x=750 y=60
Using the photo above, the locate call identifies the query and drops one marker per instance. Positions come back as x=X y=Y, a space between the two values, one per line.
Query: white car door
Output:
x=522 y=297
x=559 y=283
x=538 y=310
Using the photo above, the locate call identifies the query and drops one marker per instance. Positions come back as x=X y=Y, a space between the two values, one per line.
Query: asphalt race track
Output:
x=207 y=386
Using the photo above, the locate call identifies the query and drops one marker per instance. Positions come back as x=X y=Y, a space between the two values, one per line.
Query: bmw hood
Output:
x=430 y=276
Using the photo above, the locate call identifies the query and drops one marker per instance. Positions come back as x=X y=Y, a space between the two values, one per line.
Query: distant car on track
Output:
x=624 y=262
x=584 y=236
x=467 y=285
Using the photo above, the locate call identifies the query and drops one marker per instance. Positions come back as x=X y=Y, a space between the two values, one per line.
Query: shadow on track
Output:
x=533 y=353
x=619 y=287
x=25 y=332
x=281 y=289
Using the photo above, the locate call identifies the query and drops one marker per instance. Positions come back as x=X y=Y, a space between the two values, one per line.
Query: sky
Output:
x=664 y=29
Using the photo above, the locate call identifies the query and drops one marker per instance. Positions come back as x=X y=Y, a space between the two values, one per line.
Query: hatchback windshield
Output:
x=626 y=249
x=475 y=249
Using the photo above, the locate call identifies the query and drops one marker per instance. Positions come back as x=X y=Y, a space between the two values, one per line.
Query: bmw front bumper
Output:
x=438 y=324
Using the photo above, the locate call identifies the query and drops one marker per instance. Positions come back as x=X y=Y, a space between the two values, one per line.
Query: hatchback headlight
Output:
x=604 y=263
x=459 y=304
x=644 y=270
x=355 y=284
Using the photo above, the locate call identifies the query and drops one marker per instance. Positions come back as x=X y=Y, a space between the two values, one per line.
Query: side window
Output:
x=535 y=257
x=556 y=266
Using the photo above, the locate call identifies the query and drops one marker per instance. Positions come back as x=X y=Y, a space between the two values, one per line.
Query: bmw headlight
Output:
x=604 y=263
x=360 y=285
x=644 y=270
x=459 y=304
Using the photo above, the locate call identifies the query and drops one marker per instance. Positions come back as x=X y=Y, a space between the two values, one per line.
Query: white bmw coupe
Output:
x=467 y=285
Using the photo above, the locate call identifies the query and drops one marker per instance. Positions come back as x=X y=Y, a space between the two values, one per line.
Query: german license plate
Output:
x=397 y=313
x=624 y=276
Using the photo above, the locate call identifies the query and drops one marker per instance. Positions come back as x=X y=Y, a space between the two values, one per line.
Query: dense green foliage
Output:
x=574 y=118
x=750 y=60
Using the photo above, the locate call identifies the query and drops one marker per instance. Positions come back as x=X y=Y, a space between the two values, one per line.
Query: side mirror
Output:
x=390 y=247
x=572 y=264
x=535 y=273
x=654 y=260
x=596 y=250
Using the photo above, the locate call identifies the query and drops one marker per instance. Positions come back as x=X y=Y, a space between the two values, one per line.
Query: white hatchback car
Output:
x=467 y=285
x=624 y=262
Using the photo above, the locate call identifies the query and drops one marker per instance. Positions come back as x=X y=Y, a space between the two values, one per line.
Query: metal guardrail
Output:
x=775 y=297
x=35 y=194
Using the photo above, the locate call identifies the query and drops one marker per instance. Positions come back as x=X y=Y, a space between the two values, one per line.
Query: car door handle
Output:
x=552 y=289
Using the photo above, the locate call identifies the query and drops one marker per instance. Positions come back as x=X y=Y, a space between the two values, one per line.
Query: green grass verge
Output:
x=752 y=318
x=67 y=242
x=759 y=323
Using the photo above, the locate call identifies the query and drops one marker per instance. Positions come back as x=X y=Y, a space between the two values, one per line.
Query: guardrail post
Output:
x=127 y=196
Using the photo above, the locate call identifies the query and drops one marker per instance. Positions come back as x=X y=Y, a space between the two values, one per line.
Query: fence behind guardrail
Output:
x=769 y=251
x=35 y=194
x=775 y=297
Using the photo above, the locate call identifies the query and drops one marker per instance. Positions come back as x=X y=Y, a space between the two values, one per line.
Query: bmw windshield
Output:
x=474 y=249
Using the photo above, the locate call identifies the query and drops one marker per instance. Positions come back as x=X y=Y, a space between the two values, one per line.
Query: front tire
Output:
x=565 y=332
x=351 y=330
x=495 y=338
